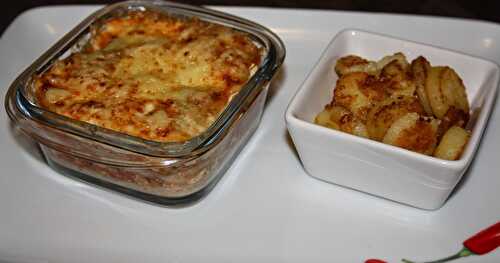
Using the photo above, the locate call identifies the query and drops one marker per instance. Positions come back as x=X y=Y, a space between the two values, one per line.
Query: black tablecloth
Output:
x=484 y=10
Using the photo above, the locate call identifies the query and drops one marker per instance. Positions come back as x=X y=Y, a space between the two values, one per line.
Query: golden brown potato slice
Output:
x=452 y=144
x=339 y=118
x=398 y=79
x=351 y=63
x=399 y=57
x=381 y=117
x=413 y=132
x=325 y=118
x=454 y=90
x=444 y=88
x=420 y=68
x=358 y=92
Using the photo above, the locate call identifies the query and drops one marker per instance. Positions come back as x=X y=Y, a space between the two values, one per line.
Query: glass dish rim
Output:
x=272 y=60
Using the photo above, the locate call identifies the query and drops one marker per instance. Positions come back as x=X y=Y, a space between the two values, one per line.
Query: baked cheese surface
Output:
x=148 y=75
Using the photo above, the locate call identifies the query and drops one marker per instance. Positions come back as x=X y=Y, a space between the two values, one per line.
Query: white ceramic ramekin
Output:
x=370 y=166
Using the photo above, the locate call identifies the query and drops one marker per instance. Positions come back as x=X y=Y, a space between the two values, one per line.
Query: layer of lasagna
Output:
x=150 y=75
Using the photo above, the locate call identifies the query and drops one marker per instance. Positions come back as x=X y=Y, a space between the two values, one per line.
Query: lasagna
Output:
x=150 y=75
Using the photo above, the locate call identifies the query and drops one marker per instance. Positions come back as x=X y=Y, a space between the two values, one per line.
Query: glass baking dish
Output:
x=168 y=173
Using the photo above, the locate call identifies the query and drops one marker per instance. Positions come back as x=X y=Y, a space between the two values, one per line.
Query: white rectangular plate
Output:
x=265 y=209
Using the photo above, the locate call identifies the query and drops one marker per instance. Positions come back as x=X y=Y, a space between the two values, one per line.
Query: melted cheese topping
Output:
x=148 y=75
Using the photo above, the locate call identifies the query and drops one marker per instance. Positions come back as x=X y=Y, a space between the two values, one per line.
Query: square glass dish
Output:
x=167 y=173
x=373 y=167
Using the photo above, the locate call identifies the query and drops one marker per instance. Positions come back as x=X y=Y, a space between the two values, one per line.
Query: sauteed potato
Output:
x=452 y=144
x=416 y=106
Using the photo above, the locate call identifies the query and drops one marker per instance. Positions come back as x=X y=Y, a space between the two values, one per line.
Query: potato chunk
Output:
x=351 y=63
x=358 y=92
x=413 y=132
x=399 y=57
x=444 y=89
x=420 y=68
x=384 y=114
x=452 y=144
x=398 y=79
x=339 y=118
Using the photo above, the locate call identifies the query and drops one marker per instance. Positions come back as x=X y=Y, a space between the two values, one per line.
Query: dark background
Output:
x=484 y=10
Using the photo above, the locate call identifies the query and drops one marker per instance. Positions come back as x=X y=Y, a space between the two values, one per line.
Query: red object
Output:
x=373 y=260
x=484 y=241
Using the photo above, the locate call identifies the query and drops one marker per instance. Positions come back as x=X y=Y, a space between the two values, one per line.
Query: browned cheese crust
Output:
x=148 y=75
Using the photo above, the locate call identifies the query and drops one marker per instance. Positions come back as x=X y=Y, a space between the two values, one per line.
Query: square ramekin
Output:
x=163 y=173
x=370 y=166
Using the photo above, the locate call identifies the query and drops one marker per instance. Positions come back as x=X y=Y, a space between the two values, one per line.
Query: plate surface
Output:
x=266 y=208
